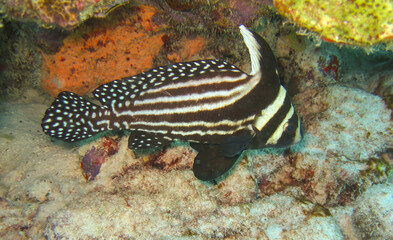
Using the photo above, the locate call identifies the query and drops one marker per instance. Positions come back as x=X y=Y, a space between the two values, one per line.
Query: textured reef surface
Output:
x=62 y=13
x=336 y=184
x=355 y=22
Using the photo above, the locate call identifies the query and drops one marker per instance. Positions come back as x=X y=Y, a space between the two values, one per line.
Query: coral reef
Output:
x=146 y=36
x=61 y=13
x=181 y=5
x=64 y=13
x=69 y=14
x=210 y=16
x=315 y=64
x=356 y=22
x=335 y=185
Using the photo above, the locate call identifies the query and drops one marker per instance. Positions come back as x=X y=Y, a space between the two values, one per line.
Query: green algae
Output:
x=6 y=136
x=379 y=167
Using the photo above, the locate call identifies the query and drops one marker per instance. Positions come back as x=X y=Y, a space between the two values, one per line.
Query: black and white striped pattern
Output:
x=201 y=101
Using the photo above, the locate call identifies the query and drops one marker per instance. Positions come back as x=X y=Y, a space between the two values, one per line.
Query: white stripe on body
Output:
x=235 y=95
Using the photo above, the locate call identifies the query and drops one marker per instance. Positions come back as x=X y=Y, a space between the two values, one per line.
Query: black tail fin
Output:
x=72 y=118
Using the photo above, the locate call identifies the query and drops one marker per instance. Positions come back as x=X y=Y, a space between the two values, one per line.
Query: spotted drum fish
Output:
x=212 y=104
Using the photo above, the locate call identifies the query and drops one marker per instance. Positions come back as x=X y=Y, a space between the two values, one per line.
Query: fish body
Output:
x=214 y=105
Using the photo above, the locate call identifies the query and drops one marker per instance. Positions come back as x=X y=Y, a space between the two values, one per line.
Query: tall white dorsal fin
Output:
x=253 y=48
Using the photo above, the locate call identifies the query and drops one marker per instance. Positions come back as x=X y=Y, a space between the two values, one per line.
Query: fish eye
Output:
x=289 y=127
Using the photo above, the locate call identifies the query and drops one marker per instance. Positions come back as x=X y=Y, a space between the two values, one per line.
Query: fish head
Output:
x=280 y=134
x=292 y=133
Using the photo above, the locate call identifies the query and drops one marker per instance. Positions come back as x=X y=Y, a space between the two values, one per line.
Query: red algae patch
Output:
x=189 y=49
x=95 y=157
x=103 y=54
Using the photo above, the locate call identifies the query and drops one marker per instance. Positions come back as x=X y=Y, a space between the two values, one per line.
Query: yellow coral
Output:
x=358 y=22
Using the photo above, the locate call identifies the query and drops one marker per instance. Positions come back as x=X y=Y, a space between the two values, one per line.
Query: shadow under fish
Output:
x=212 y=104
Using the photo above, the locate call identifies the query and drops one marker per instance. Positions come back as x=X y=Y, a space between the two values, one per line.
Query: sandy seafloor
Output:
x=325 y=189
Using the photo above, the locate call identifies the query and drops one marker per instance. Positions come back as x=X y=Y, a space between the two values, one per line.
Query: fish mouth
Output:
x=290 y=142
x=301 y=131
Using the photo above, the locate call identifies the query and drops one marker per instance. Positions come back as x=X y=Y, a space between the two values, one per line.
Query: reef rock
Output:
x=373 y=213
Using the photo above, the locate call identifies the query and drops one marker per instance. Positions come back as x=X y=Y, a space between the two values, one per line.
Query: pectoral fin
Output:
x=234 y=145
x=210 y=164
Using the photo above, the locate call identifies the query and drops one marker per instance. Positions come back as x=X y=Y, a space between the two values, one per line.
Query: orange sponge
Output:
x=103 y=55
x=188 y=50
